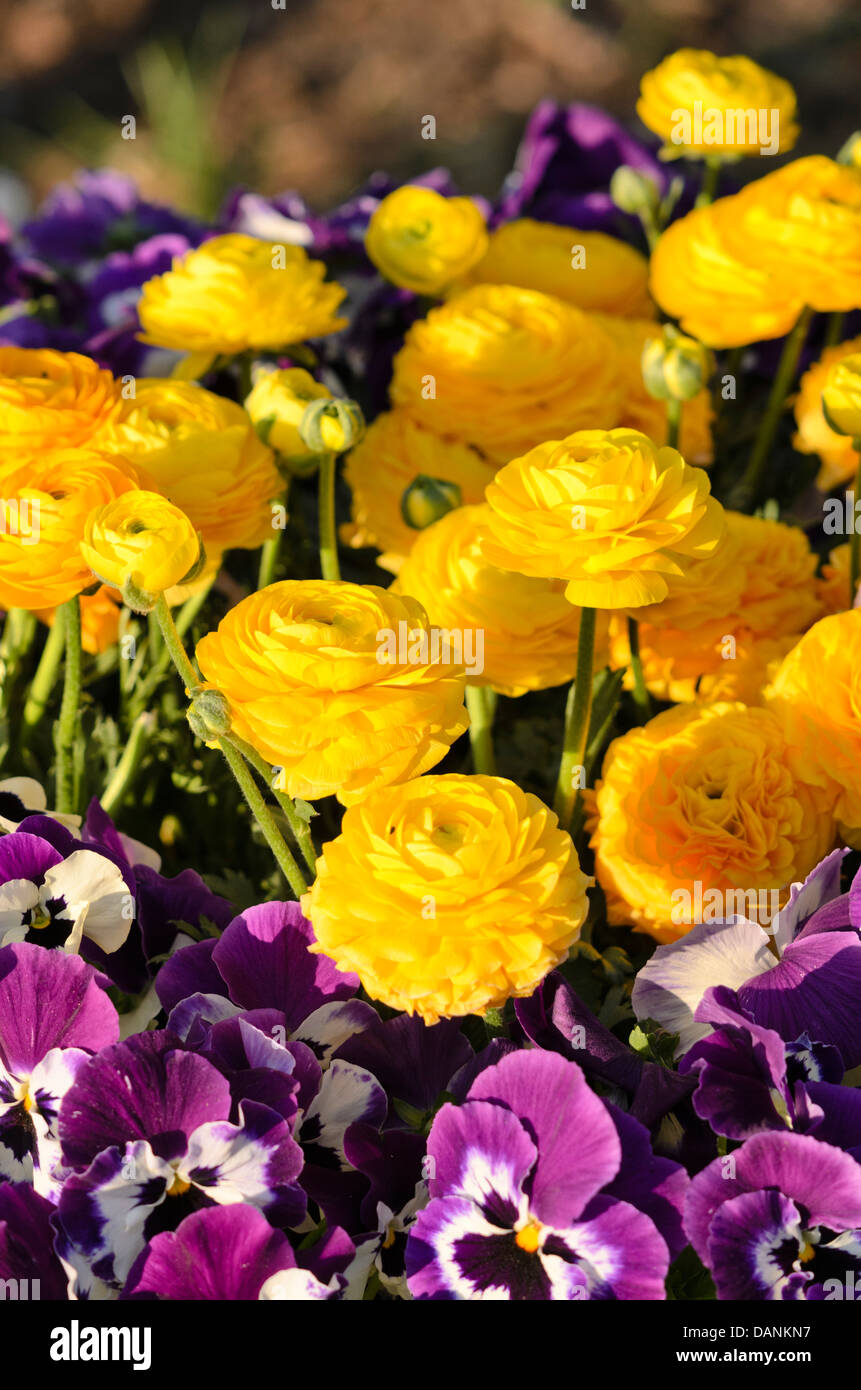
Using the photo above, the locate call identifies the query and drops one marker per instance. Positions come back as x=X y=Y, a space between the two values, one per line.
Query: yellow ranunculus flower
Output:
x=100 y=619
x=643 y=412
x=46 y=499
x=276 y=405
x=596 y=272
x=234 y=294
x=841 y=396
x=744 y=267
x=422 y=241
x=51 y=400
x=816 y=695
x=394 y=452
x=740 y=608
x=525 y=629
x=201 y=451
x=340 y=685
x=838 y=458
x=616 y=516
x=833 y=587
x=141 y=544
x=701 y=104
x=702 y=794
x=474 y=896
x=504 y=368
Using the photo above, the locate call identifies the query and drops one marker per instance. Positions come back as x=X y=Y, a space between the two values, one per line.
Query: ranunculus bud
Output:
x=142 y=545
x=331 y=426
x=850 y=152
x=427 y=499
x=634 y=192
x=209 y=715
x=675 y=367
x=841 y=398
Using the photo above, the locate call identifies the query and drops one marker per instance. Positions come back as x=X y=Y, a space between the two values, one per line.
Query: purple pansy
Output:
x=27 y=1243
x=56 y=899
x=809 y=983
x=778 y=1218
x=749 y=1080
x=146 y=1128
x=100 y=211
x=520 y=1182
x=52 y=1014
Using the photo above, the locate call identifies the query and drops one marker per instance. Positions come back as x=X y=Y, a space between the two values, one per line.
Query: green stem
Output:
x=270 y=551
x=834 y=330
x=299 y=827
x=747 y=491
x=641 y=694
x=70 y=616
x=328 y=537
x=247 y=785
x=481 y=708
x=708 y=188
x=579 y=708
x=46 y=675
x=126 y=769
x=674 y=422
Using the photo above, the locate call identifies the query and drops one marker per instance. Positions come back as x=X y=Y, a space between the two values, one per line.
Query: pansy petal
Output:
x=223 y=1253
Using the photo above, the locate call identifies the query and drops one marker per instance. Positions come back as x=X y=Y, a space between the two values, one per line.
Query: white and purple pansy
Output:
x=52 y=1014
x=146 y=1128
x=778 y=1218
x=802 y=976
x=51 y=899
x=519 y=1182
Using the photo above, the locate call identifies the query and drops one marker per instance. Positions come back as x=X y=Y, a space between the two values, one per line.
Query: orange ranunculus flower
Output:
x=524 y=628
x=834 y=585
x=702 y=794
x=816 y=695
x=504 y=368
x=598 y=273
x=394 y=452
x=340 y=685
x=51 y=400
x=616 y=516
x=46 y=499
x=202 y=452
x=475 y=894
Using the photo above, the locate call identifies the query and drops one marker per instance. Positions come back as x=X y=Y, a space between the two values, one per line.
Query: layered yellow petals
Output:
x=235 y=293
x=744 y=267
x=724 y=88
x=422 y=241
x=592 y=270
x=702 y=795
x=51 y=400
x=525 y=628
x=141 y=544
x=202 y=452
x=46 y=499
x=448 y=895
x=503 y=369
x=306 y=670
x=393 y=453
x=816 y=695
x=613 y=514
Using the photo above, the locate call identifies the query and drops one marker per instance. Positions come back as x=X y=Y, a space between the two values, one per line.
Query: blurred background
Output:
x=318 y=94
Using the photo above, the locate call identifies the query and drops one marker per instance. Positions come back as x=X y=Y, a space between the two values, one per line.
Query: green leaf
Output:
x=688 y=1280
x=654 y=1043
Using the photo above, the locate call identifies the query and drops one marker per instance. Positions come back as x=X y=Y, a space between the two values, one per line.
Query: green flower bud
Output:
x=850 y=153
x=427 y=499
x=209 y=715
x=674 y=367
x=331 y=426
x=633 y=191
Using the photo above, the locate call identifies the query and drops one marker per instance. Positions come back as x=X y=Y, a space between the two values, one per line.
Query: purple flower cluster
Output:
x=246 y=1127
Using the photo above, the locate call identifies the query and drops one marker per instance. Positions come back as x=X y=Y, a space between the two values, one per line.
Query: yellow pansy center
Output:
x=178 y=1187
x=23 y=1096
x=529 y=1236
